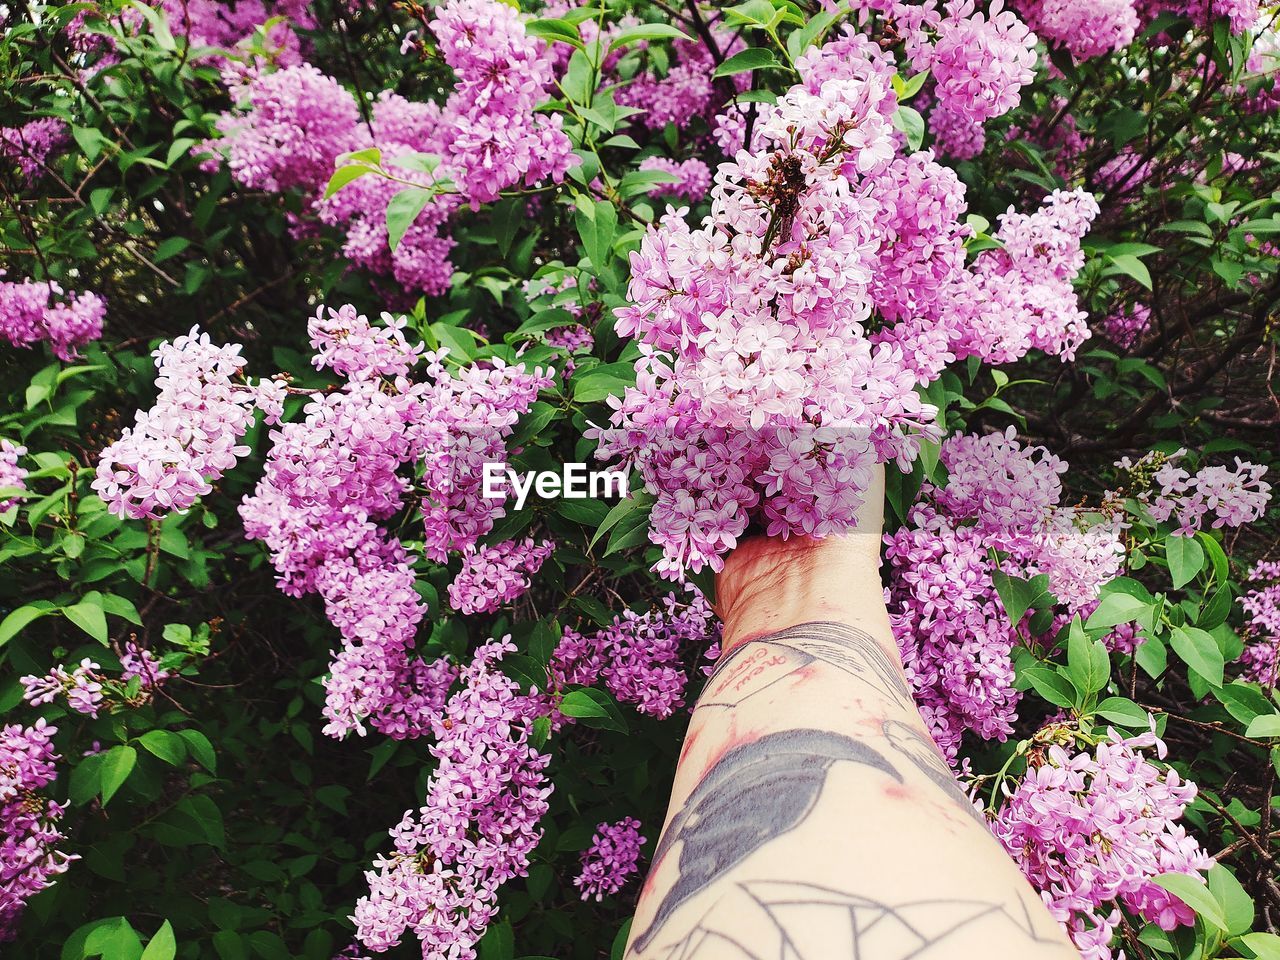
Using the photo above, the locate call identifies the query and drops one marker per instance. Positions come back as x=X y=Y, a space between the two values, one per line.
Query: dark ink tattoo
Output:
x=851 y=650
x=752 y=795
x=923 y=752
x=812 y=922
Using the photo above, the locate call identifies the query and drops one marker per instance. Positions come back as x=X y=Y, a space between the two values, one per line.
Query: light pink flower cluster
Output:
x=191 y=436
x=494 y=139
x=31 y=145
x=760 y=391
x=215 y=23
x=611 y=860
x=692 y=178
x=1086 y=28
x=1090 y=830
x=32 y=311
x=477 y=828
x=1260 y=661
x=12 y=476
x=1232 y=497
x=87 y=690
x=687 y=90
x=640 y=656
x=293 y=124
x=330 y=479
x=492 y=577
x=951 y=626
x=1240 y=15
x=29 y=860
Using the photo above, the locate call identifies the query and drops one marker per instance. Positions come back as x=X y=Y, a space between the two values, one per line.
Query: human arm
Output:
x=812 y=816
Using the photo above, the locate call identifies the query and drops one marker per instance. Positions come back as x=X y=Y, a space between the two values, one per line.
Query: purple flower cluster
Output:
x=477 y=828
x=332 y=476
x=191 y=436
x=692 y=178
x=1125 y=326
x=760 y=392
x=1260 y=661
x=640 y=656
x=1086 y=28
x=29 y=860
x=492 y=577
x=87 y=691
x=12 y=476
x=1091 y=829
x=32 y=311
x=611 y=860
x=952 y=630
x=293 y=124
x=1232 y=497
x=31 y=145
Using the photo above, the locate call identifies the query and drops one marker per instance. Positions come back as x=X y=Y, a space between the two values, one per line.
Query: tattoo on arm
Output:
x=806 y=921
x=854 y=651
x=753 y=794
x=924 y=754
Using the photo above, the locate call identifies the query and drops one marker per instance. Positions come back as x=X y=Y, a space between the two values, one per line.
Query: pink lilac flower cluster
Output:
x=12 y=476
x=332 y=476
x=1086 y=28
x=1092 y=829
x=492 y=577
x=952 y=630
x=494 y=139
x=293 y=124
x=32 y=311
x=191 y=436
x=216 y=23
x=29 y=858
x=763 y=392
x=1126 y=325
x=687 y=90
x=475 y=831
x=640 y=656
x=31 y=145
x=1240 y=15
x=86 y=690
x=692 y=178
x=612 y=859
x=1260 y=661
x=1231 y=496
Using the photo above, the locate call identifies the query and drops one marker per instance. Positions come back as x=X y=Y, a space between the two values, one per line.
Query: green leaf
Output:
x=170 y=248
x=1265 y=946
x=620 y=941
x=597 y=227
x=1244 y=701
x=1088 y=665
x=345 y=175
x=1051 y=685
x=200 y=748
x=498 y=942
x=1265 y=726
x=646 y=31
x=117 y=764
x=88 y=616
x=595 y=708
x=115 y=939
x=1116 y=608
x=18 y=619
x=162 y=946
x=1192 y=891
x=1124 y=712
x=1186 y=559
x=1200 y=652
x=1237 y=906
x=640 y=500
x=753 y=58
x=166 y=745
x=1131 y=266
x=553 y=28
x=911 y=123
x=403 y=209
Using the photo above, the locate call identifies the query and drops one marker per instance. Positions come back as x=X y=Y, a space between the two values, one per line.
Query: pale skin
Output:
x=812 y=818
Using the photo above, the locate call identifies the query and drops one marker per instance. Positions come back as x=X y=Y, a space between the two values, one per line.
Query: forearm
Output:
x=810 y=805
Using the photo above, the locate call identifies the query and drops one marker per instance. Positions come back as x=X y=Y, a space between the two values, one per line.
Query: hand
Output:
x=771 y=583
